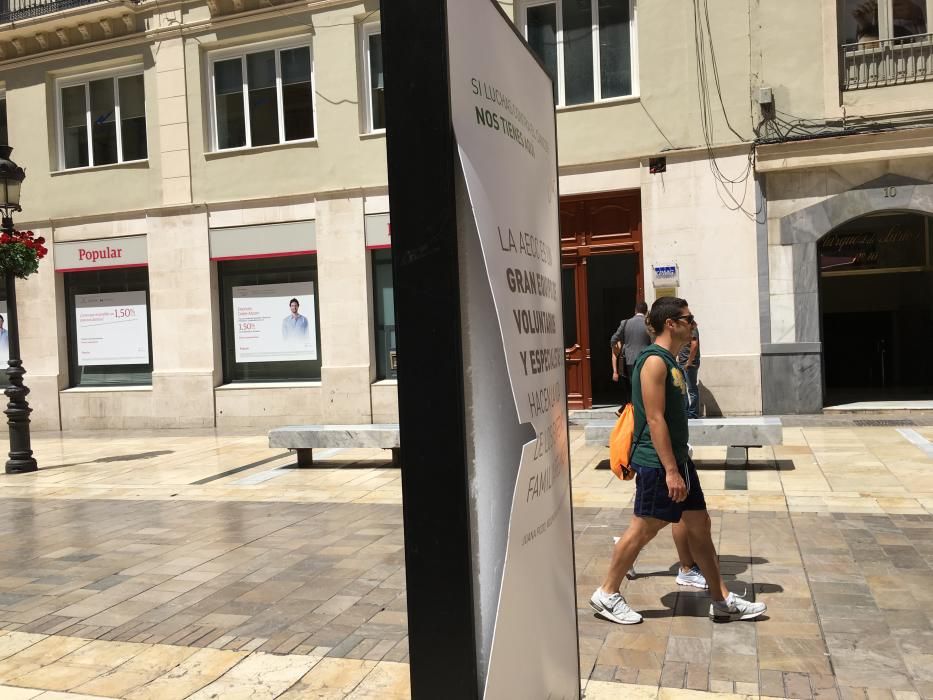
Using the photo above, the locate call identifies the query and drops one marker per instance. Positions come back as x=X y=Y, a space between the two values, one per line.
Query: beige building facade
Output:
x=233 y=152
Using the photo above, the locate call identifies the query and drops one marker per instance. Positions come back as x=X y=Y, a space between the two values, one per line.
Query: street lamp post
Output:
x=17 y=410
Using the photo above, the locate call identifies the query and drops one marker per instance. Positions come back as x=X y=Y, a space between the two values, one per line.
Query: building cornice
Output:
x=203 y=207
x=52 y=31
x=842 y=150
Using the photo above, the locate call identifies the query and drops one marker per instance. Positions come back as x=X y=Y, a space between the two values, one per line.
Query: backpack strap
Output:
x=637 y=440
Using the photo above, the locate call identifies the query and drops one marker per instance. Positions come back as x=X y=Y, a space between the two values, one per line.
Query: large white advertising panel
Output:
x=275 y=322
x=503 y=119
x=112 y=328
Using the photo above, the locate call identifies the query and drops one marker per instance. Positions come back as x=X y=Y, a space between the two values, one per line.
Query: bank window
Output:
x=102 y=120
x=269 y=313
x=4 y=135
x=384 y=315
x=263 y=97
x=587 y=46
x=374 y=81
x=109 y=335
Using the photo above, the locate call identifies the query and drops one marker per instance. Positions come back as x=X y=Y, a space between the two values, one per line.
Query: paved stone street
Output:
x=174 y=565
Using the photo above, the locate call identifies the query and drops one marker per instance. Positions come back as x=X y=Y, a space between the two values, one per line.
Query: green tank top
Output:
x=675 y=414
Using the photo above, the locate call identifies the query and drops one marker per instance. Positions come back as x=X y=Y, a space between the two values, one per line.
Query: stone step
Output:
x=583 y=417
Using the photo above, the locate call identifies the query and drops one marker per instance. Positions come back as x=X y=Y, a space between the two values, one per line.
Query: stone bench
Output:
x=304 y=438
x=737 y=434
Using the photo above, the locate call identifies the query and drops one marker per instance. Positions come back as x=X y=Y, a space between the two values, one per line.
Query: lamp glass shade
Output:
x=10 y=189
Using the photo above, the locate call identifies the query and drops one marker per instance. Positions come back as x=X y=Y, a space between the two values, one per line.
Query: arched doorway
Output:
x=876 y=308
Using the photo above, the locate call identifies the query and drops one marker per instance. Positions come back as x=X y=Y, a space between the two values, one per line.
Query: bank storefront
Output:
x=234 y=318
x=106 y=290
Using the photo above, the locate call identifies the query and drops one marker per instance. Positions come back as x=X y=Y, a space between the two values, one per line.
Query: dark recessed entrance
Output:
x=876 y=299
x=612 y=291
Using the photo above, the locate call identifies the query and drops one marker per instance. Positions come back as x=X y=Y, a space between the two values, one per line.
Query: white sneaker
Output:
x=691 y=578
x=613 y=608
x=735 y=608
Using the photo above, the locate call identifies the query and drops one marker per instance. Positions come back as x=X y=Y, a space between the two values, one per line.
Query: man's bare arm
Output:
x=694 y=348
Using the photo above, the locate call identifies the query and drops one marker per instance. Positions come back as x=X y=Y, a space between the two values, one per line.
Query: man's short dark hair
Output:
x=641 y=308
x=293 y=301
x=662 y=309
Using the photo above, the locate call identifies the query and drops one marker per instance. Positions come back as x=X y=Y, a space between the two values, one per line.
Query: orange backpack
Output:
x=621 y=445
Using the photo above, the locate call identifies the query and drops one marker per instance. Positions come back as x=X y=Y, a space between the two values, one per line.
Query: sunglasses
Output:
x=689 y=318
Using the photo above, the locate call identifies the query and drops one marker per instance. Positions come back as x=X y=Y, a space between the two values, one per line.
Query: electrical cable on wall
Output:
x=784 y=128
x=703 y=43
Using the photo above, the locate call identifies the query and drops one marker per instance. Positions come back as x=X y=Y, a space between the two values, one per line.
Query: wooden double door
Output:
x=602 y=279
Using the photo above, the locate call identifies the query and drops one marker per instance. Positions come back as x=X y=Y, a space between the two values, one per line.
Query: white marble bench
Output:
x=737 y=434
x=304 y=438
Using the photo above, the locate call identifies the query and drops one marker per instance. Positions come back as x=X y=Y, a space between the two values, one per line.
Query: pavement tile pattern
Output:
x=178 y=565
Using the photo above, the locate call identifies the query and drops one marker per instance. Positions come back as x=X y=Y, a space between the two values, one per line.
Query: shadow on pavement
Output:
x=115 y=458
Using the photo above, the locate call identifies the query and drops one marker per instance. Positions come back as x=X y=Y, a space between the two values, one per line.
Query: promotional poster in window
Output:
x=112 y=329
x=275 y=322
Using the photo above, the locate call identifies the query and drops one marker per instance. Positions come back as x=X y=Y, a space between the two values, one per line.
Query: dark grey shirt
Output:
x=634 y=338
x=684 y=354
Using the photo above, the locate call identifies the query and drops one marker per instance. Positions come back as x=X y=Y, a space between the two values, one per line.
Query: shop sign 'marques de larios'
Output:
x=890 y=242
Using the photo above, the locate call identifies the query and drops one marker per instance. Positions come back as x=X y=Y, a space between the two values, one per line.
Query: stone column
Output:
x=344 y=307
x=182 y=318
x=174 y=157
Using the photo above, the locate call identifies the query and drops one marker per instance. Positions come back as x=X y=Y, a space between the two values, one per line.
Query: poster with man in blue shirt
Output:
x=294 y=326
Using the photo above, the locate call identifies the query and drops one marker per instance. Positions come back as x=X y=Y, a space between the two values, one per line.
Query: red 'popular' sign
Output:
x=105 y=253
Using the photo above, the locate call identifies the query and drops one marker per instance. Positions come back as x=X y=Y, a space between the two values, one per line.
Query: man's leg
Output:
x=682 y=543
x=606 y=600
x=639 y=533
x=697 y=524
x=726 y=606
x=689 y=573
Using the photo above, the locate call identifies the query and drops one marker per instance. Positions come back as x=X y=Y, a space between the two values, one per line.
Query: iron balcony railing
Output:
x=878 y=63
x=18 y=10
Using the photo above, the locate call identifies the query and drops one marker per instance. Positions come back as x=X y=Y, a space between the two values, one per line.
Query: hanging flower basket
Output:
x=20 y=253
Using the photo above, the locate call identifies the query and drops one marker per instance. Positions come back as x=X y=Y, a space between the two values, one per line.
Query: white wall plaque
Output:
x=666 y=275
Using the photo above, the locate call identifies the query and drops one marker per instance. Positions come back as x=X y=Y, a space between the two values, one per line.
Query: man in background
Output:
x=627 y=342
x=689 y=360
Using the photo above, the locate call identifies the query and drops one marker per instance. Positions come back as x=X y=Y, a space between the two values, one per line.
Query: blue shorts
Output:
x=651 y=496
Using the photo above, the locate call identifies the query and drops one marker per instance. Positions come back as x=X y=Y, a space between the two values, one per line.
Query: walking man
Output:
x=689 y=360
x=667 y=487
x=627 y=342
